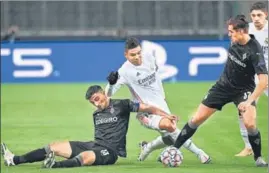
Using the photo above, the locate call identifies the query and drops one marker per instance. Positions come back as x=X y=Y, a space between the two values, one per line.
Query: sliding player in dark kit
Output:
x=111 y=120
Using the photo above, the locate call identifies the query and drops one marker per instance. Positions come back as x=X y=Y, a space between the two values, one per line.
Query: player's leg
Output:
x=169 y=134
x=84 y=158
x=249 y=118
x=62 y=149
x=244 y=133
x=202 y=114
x=254 y=135
x=148 y=147
x=243 y=130
x=96 y=156
x=169 y=138
x=216 y=98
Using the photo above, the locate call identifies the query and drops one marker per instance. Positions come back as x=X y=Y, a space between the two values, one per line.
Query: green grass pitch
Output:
x=34 y=115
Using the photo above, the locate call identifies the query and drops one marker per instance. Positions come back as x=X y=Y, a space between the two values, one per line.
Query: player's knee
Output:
x=60 y=148
x=202 y=114
x=250 y=125
x=197 y=120
x=54 y=146
x=166 y=124
x=144 y=120
x=87 y=157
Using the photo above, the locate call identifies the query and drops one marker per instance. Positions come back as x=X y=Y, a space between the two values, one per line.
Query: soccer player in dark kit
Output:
x=237 y=85
x=111 y=120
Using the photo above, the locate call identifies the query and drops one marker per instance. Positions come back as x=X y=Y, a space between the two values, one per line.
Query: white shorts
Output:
x=151 y=121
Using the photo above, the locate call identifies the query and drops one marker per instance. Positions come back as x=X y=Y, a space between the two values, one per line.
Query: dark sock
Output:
x=254 y=138
x=74 y=162
x=186 y=133
x=33 y=156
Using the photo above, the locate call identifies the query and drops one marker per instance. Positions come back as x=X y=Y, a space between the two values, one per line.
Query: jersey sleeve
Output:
x=130 y=106
x=110 y=90
x=258 y=61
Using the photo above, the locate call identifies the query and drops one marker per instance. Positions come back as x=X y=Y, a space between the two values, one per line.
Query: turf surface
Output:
x=34 y=115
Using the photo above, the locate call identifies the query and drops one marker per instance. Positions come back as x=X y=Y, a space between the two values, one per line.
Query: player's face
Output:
x=235 y=35
x=258 y=17
x=99 y=100
x=134 y=56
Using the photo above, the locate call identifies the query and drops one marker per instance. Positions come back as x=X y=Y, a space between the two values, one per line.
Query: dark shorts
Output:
x=104 y=155
x=218 y=96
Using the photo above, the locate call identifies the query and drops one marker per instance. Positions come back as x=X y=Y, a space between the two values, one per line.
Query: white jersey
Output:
x=262 y=37
x=143 y=82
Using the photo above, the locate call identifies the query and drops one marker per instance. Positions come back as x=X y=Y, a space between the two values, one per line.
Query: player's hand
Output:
x=173 y=118
x=243 y=106
x=113 y=77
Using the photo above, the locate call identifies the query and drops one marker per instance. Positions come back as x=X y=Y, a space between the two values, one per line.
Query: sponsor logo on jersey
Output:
x=147 y=80
x=234 y=59
x=152 y=67
x=106 y=120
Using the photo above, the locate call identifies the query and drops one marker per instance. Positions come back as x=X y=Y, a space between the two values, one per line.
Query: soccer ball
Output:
x=171 y=157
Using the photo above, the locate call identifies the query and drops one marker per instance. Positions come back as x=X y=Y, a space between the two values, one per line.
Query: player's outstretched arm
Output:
x=258 y=61
x=259 y=64
x=154 y=110
x=114 y=83
x=262 y=85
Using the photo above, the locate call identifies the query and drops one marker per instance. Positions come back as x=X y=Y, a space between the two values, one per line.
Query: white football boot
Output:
x=8 y=155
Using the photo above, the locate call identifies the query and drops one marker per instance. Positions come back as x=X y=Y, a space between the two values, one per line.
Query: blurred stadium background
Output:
x=76 y=43
x=120 y=18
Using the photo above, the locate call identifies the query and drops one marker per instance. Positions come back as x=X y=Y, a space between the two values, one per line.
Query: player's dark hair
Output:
x=131 y=43
x=92 y=90
x=239 y=22
x=258 y=6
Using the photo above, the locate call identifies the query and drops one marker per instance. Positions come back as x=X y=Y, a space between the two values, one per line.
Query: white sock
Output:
x=189 y=145
x=154 y=145
x=244 y=132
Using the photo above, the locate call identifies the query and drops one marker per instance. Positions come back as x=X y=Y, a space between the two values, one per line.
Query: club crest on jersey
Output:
x=244 y=56
x=266 y=41
x=138 y=74
x=112 y=110
x=152 y=67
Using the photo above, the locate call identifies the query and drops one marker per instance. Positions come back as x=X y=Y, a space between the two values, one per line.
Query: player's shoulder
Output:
x=119 y=102
x=147 y=55
x=124 y=68
x=96 y=112
x=127 y=70
x=253 y=43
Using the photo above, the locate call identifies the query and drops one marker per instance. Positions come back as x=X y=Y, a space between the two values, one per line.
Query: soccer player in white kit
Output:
x=139 y=74
x=259 y=28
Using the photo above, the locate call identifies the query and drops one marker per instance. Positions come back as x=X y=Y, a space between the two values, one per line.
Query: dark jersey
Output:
x=244 y=61
x=111 y=124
